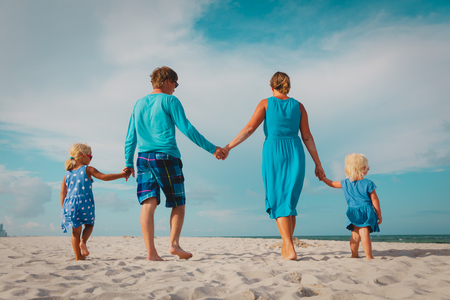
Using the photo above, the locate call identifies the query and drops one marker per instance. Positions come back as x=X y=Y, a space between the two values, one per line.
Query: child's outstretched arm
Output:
x=333 y=184
x=376 y=205
x=91 y=171
x=63 y=191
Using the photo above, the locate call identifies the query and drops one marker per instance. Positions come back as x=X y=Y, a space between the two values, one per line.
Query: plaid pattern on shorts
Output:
x=157 y=171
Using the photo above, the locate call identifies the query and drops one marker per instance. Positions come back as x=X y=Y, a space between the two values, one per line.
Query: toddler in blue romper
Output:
x=364 y=212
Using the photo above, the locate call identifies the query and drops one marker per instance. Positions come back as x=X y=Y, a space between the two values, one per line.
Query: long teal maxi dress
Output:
x=283 y=166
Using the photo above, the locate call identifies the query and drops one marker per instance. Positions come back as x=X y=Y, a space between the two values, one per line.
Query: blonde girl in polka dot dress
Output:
x=77 y=199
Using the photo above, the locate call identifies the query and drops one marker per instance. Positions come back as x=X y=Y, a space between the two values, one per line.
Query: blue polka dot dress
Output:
x=78 y=207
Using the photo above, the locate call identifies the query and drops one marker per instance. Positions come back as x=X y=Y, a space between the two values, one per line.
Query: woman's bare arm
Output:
x=256 y=120
x=308 y=140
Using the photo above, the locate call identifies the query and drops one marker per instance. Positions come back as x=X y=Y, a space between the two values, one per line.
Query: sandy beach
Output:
x=222 y=268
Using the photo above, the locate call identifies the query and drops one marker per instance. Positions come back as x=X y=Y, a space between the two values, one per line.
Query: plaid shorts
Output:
x=157 y=171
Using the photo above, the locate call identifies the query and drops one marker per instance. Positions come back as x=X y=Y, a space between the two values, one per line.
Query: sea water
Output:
x=438 y=239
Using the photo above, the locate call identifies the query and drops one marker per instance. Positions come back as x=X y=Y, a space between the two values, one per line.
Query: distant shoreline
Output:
x=421 y=238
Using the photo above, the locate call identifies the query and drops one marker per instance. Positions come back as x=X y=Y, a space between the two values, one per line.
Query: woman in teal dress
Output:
x=283 y=165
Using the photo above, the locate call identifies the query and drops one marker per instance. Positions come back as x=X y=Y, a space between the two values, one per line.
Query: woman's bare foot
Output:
x=283 y=250
x=355 y=256
x=80 y=258
x=84 y=250
x=176 y=250
x=290 y=255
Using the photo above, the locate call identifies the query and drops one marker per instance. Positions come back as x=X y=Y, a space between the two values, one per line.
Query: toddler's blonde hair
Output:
x=354 y=166
x=75 y=152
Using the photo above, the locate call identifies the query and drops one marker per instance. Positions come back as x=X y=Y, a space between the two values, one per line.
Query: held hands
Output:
x=128 y=171
x=320 y=173
x=221 y=153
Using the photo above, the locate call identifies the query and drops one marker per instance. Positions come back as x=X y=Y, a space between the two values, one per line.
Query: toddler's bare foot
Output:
x=176 y=250
x=84 y=250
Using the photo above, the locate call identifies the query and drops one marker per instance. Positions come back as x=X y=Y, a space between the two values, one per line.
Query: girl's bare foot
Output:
x=176 y=250
x=83 y=249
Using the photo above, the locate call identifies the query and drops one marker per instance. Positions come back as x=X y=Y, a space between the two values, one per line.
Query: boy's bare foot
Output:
x=155 y=258
x=84 y=250
x=177 y=250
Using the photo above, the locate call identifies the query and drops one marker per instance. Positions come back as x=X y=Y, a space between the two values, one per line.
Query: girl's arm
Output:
x=333 y=184
x=376 y=205
x=91 y=171
x=256 y=120
x=308 y=140
x=63 y=191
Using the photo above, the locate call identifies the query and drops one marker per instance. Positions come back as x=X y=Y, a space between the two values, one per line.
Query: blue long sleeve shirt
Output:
x=152 y=127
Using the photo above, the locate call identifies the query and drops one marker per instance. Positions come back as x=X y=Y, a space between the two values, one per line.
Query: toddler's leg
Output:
x=366 y=241
x=76 y=233
x=84 y=238
x=354 y=241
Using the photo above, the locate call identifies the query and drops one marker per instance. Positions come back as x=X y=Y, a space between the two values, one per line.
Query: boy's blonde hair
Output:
x=354 y=166
x=160 y=75
x=75 y=152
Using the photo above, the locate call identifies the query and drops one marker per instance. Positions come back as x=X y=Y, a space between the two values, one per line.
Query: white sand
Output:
x=222 y=268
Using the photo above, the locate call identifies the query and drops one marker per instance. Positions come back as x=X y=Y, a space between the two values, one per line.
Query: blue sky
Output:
x=373 y=76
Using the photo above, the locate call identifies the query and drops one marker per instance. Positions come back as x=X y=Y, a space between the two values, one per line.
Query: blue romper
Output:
x=78 y=207
x=283 y=166
x=360 y=210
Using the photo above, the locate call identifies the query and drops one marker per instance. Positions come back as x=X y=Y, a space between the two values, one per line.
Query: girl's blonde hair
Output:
x=280 y=81
x=75 y=152
x=354 y=166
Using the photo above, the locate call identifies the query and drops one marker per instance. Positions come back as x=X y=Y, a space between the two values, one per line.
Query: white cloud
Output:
x=30 y=225
x=112 y=201
x=219 y=215
x=8 y=220
x=24 y=196
x=161 y=224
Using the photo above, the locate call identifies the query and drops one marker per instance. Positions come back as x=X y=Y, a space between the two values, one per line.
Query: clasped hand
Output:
x=221 y=153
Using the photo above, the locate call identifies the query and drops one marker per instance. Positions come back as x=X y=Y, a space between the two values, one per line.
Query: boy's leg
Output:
x=148 y=227
x=76 y=233
x=84 y=238
x=366 y=242
x=285 y=228
x=354 y=241
x=176 y=224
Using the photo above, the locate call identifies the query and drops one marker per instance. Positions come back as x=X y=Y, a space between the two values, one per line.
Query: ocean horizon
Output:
x=406 y=238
